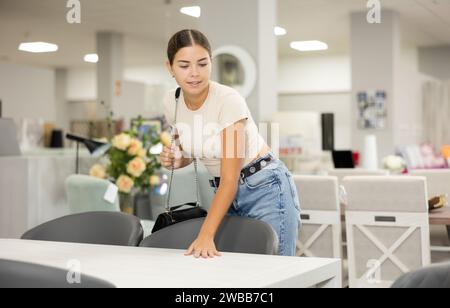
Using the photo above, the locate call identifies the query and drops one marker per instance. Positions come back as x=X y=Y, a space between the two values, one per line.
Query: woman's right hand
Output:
x=172 y=156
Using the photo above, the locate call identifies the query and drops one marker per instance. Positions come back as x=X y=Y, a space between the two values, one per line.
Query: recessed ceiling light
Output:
x=91 y=58
x=37 y=47
x=309 y=45
x=194 y=11
x=279 y=31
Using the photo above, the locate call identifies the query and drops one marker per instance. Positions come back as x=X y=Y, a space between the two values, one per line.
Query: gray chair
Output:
x=102 y=228
x=86 y=194
x=235 y=234
x=437 y=276
x=15 y=274
x=184 y=188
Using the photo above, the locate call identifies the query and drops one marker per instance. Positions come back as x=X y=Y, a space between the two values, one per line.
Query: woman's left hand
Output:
x=203 y=247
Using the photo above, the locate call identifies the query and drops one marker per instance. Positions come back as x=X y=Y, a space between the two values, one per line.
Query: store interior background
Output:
x=60 y=87
x=410 y=47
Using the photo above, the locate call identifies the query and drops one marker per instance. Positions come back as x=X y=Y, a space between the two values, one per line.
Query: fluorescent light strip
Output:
x=309 y=45
x=91 y=58
x=279 y=31
x=38 y=47
x=194 y=11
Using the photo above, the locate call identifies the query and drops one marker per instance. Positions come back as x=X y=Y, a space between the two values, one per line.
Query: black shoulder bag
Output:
x=173 y=215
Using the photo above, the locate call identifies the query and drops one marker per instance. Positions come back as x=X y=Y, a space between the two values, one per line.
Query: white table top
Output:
x=163 y=268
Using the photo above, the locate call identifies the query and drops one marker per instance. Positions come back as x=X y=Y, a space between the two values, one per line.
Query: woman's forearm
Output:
x=219 y=207
x=186 y=162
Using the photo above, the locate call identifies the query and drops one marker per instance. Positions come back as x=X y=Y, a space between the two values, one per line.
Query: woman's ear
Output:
x=169 y=69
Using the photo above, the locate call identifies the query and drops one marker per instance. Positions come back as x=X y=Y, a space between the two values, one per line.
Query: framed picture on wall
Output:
x=372 y=112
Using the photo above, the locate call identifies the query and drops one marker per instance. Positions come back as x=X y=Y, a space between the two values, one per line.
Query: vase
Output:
x=142 y=204
x=126 y=203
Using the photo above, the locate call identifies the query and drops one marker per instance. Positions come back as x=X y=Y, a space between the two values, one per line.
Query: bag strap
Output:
x=174 y=208
x=172 y=135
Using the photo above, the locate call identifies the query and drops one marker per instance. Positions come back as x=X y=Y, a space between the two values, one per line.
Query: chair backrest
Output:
x=184 y=185
x=436 y=276
x=184 y=189
x=235 y=234
x=343 y=173
x=438 y=183
x=320 y=235
x=103 y=228
x=14 y=274
x=387 y=228
x=86 y=194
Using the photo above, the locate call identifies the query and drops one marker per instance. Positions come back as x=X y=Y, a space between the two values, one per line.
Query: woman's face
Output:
x=192 y=69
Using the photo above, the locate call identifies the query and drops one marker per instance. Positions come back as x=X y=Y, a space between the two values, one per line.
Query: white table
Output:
x=163 y=268
x=32 y=189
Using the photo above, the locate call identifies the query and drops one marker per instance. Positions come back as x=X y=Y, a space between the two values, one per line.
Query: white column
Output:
x=375 y=52
x=248 y=24
x=109 y=72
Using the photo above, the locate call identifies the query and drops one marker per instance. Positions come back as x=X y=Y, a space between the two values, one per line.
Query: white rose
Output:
x=135 y=147
x=98 y=171
x=125 y=184
x=394 y=163
x=136 y=167
x=121 y=142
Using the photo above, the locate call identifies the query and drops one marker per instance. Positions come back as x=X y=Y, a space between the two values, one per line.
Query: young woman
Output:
x=214 y=125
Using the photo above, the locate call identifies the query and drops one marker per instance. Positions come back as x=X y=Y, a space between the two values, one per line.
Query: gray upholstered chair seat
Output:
x=15 y=274
x=235 y=234
x=437 y=276
x=103 y=228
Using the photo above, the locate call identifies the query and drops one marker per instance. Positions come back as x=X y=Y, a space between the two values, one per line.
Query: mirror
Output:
x=234 y=67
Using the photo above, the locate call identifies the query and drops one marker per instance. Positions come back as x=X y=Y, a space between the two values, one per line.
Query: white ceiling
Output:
x=423 y=22
x=147 y=25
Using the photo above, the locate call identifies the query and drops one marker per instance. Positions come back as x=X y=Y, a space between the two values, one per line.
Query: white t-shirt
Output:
x=200 y=130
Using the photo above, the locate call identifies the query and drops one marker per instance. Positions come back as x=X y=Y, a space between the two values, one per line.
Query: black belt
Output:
x=248 y=171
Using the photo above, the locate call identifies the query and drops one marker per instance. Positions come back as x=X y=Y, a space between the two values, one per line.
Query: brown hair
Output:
x=186 y=38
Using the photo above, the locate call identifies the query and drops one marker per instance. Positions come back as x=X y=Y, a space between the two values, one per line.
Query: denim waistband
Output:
x=216 y=181
x=269 y=154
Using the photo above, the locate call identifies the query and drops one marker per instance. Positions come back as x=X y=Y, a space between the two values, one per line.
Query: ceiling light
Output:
x=37 y=47
x=309 y=45
x=194 y=11
x=279 y=31
x=91 y=58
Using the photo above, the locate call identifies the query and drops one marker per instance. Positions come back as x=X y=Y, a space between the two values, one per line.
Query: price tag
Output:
x=111 y=193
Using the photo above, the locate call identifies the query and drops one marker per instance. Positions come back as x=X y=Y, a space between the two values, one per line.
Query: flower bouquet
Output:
x=132 y=164
x=395 y=164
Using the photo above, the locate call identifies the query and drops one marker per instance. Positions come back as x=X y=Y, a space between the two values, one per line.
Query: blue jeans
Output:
x=270 y=195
